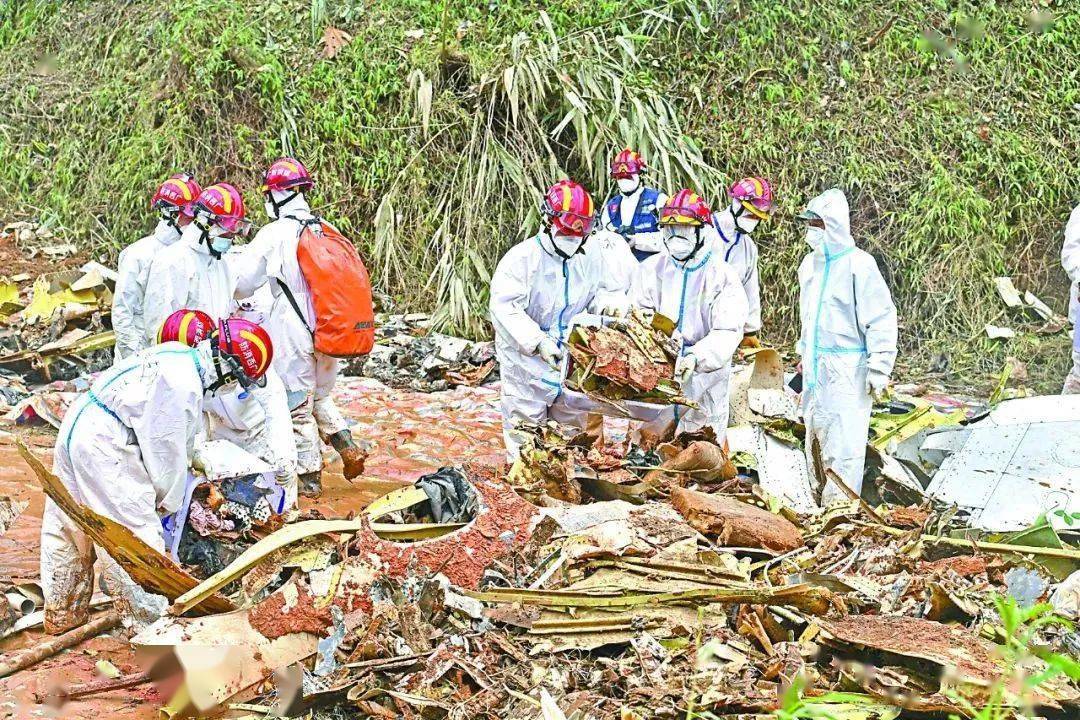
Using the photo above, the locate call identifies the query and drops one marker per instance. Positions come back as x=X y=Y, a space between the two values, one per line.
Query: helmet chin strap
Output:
x=170 y=220
x=558 y=250
x=204 y=237
x=278 y=205
x=224 y=378
x=737 y=213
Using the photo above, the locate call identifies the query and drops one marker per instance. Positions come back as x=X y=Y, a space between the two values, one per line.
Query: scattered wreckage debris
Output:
x=57 y=327
x=735 y=523
x=10 y=510
x=556 y=465
x=409 y=355
x=684 y=579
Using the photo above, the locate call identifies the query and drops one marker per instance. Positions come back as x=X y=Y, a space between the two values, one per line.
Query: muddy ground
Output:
x=411 y=434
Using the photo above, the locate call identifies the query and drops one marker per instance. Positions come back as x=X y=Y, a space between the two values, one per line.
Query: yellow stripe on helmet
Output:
x=182 y=187
x=226 y=198
x=185 y=323
x=291 y=166
x=254 y=339
x=567 y=196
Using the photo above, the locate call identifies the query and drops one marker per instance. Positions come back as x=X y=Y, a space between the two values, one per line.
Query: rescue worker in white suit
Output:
x=847 y=341
x=751 y=202
x=241 y=417
x=1070 y=260
x=270 y=260
x=633 y=212
x=691 y=284
x=539 y=286
x=123 y=450
x=193 y=274
x=172 y=202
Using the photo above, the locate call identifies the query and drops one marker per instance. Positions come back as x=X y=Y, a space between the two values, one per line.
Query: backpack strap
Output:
x=304 y=223
x=292 y=301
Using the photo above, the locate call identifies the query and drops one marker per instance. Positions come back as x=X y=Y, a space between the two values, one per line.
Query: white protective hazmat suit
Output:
x=847 y=341
x=1070 y=260
x=739 y=251
x=536 y=294
x=186 y=275
x=620 y=269
x=704 y=297
x=308 y=376
x=132 y=273
x=123 y=451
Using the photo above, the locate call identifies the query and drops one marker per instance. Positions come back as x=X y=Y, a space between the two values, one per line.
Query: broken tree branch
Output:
x=93 y=688
x=69 y=639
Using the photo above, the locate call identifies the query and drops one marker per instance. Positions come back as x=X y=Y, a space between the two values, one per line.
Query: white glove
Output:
x=550 y=352
x=876 y=383
x=684 y=368
x=612 y=311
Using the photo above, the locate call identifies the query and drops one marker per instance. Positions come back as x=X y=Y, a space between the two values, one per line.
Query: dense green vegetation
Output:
x=954 y=127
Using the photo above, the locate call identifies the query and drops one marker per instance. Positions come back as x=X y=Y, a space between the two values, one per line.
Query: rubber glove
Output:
x=550 y=352
x=750 y=342
x=612 y=311
x=684 y=368
x=876 y=384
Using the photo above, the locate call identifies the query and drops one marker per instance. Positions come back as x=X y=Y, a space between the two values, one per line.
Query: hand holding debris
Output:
x=684 y=368
x=550 y=352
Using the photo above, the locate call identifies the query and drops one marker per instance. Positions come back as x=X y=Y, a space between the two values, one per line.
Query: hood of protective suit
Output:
x=297 y=206
x=165 y=233
x=192 y=235
x=832 y=207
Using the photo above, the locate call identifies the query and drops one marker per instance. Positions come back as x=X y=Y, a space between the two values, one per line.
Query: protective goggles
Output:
x=233 y=226
x=573 y=223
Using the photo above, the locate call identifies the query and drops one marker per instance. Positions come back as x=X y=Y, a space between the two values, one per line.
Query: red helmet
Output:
x=627 y=163
x=225 y=206
x=755 y=194
x=247 y=348
x=190 y=327
x=175 y=194
x=569 y=208
x=685 y=207
x=287 y=174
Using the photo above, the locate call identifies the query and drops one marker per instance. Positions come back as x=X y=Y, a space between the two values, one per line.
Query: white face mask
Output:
x=680 y=246
x=219 y=241
x=815 y=236
x=270 y=211
x=627 y=186
x=567 y=244
x=745 y=222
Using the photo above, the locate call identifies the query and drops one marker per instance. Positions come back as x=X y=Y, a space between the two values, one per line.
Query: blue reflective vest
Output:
x=646 y=214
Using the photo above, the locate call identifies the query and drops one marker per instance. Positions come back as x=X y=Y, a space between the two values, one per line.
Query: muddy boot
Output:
x=352 y=455
x=311 y=483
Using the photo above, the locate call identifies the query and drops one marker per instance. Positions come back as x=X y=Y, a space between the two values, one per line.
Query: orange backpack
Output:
x=340 y=291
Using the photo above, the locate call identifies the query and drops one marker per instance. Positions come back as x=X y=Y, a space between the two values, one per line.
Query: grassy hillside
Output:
x=954 y=127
